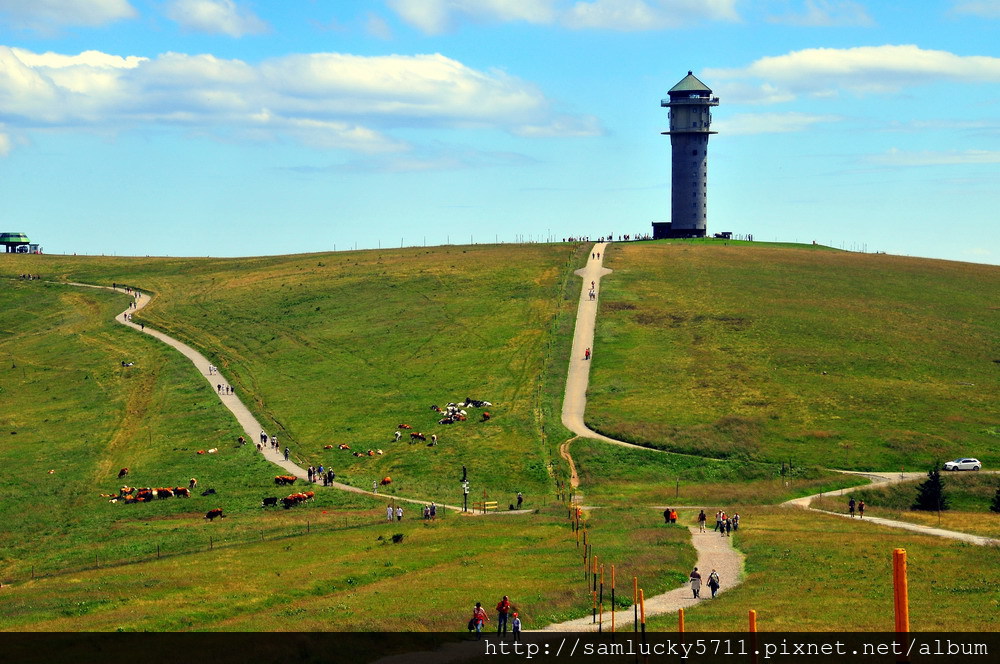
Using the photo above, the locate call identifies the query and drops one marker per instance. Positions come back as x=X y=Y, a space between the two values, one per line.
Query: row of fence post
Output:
x=590 y=574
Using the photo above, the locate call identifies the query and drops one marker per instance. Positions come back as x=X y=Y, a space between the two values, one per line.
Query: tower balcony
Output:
x=693 y=100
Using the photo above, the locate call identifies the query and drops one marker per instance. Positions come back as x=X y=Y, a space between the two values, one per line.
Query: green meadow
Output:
x=756 y=366
x=812 y=357
x=814 y=572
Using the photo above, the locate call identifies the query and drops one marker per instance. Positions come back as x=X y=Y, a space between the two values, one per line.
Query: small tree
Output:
x=995 y=505
x=930 y=494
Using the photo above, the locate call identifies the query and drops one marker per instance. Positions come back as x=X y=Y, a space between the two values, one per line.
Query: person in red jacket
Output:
x=503 y=608
x=478 y=618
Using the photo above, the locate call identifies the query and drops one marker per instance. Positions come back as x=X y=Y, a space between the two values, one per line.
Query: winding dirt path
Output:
x=251 y=427
x=880 y=479
x=714 y=552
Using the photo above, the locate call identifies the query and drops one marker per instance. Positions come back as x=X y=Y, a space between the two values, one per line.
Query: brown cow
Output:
x=328 y=447
x=386 y=481
x=343 y=446
x=182 y=492
x=486 y=416
x=217 y=512
x=416 y=435
x=282 y=480
x=404 y=426
x=122 y=473
x=163 y=493
x=192 y=483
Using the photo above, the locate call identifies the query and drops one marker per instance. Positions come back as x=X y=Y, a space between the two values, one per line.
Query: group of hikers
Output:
x=724 y=524
x=505 y=615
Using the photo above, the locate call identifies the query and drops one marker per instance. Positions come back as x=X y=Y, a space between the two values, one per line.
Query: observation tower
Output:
x=690 y=115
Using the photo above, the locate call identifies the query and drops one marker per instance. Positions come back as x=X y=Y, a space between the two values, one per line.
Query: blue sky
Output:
x=232 y=127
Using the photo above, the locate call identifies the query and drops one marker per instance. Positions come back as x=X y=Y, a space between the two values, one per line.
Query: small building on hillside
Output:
x=14 y=241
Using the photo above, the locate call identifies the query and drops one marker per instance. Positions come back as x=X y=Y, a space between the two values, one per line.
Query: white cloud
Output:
x=982 y=8
x=770 y=123
x=864 y=69
x=896 y=157
x=215 y=17
x=45 y=15
x=5 y=144
x=828 y=13
x=437 y=16
x=326 y=100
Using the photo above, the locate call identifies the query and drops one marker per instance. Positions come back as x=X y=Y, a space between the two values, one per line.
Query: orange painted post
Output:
x=642 y=613
x=753 y=636
x=900 y=590
x=680 y=620
x=635 y=603
x=753 y=620
x=594 y=571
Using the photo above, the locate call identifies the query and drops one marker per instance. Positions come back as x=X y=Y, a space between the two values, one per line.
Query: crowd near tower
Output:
x=690 y=115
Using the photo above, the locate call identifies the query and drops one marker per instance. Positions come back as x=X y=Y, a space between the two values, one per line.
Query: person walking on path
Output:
x=520 y=499
x=286 y=454
x=586 y=354
x=503 y=608
x=718 y=521
x=850 y=506
x=399 y=513
x=695 y=577
x=701 y=521
x=861 y=508
x=479 y=617
x=713 y=583
x=666 y=515
x=673 y=516
x=736 y=521
x=434 y=511
x=515 y=626
x=729 y=526
x=388 y=513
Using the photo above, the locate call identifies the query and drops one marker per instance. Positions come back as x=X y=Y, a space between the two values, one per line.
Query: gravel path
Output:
x=714 y=551
x=877 y=479
x=251 y=427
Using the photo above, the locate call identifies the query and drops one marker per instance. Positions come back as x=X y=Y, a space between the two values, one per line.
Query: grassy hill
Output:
x=818 y=357
x=710 y=349
x=342 y=348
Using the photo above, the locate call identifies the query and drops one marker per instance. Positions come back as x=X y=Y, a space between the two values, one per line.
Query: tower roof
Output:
x=689 y=83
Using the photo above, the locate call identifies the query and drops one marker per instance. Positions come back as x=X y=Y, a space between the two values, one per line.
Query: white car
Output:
x=963 y=464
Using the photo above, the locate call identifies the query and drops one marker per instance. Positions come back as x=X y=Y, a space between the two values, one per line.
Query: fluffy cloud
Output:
x=770 y=123
x=826 y=13
x=215 y=17
x=327 y=100
x=864 y=69
x=436 y=16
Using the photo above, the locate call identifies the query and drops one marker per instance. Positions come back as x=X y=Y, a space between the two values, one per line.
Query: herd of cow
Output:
x=131 y=494
x=288 y=501
x=453 y=412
